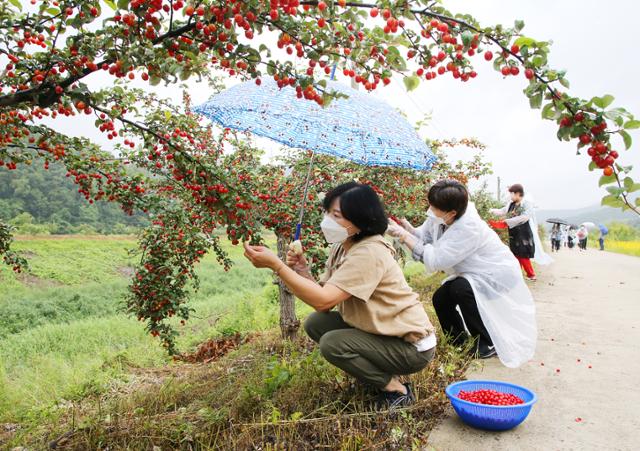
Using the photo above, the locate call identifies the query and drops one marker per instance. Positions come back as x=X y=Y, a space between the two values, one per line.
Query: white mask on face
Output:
x=333 y=232
x=436 y=219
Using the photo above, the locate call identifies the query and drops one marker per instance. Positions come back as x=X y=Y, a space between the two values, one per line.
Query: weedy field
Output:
x=77 y=371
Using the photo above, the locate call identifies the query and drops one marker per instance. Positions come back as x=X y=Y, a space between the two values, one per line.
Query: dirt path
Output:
x=588 y=310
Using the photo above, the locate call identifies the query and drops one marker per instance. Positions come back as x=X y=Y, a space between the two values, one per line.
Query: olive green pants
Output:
x=370 y=358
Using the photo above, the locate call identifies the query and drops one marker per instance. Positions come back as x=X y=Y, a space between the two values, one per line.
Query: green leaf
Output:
x=16 y=3
x=411 y=82
x=519 y=25
x=604 y=101
x=564 y=134
x=539 y=61
x=592 y=166
x=612 y=201
x=123 y=4
x=536 y=100
x=605 y=180
x=630 y=125
x=467 y=37
x=627 y=182
x=548 y=112
x=576 y=130
x=626 y=137
x=564 y=82
x=638 y=202
x=630 y=186
x=497 y=63
x=524 y=41
x=111 y=4
x=615 y=190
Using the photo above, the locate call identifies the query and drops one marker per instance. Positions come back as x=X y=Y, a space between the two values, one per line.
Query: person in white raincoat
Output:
x=524 y=239
x=484 y=280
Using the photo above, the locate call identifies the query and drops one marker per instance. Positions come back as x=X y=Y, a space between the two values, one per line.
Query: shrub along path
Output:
x=586 y=366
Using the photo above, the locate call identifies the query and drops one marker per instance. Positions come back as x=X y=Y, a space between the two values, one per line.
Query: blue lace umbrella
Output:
x=359 y=128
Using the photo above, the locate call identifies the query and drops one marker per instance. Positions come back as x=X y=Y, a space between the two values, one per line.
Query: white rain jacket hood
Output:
x=470 y=249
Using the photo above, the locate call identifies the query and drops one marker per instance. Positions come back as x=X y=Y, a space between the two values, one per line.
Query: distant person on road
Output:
x=571 y=238
x=565 y=235
x=556 y=238
x=582 y=235
x=523 y=233
x=603 y=232
x=485 y=282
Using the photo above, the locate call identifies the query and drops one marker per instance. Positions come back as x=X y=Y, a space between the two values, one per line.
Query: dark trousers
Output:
x=601 y=241
x=458 y=292
x=373 y=359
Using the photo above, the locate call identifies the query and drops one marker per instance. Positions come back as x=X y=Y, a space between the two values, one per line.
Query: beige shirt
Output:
x=381 y=302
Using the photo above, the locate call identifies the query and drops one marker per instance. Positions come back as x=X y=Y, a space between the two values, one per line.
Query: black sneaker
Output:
x=486 y=352
x=393 y=400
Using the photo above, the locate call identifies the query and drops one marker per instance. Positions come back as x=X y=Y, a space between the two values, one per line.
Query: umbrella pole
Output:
x=304 y=198
x=306 y=185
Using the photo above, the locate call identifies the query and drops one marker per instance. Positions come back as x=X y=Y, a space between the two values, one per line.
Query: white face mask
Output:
x=333 y=232
x=436 y=219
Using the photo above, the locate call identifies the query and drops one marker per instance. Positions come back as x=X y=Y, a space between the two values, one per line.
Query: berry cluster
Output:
x=490 y=397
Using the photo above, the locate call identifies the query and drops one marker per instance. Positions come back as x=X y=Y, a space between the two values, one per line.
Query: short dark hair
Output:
x=449 y=195
x=517 y=188
x=361 y=205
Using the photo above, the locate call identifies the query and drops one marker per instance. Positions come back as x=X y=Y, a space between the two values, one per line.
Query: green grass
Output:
x=69 y=359
x=62 y=326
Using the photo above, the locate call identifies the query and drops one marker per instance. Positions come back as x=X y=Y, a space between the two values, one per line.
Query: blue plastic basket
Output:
x=493 y=418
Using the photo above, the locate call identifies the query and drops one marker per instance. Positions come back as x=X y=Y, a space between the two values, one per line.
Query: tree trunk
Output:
x=400 y=255
x=289 y=323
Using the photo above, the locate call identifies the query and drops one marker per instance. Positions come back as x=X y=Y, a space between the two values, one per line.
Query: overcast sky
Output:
x=596 y=42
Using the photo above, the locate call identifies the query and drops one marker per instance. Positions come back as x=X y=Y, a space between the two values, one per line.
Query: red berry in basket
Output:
x=557 y=370
x=490 y=397
x=578 y=420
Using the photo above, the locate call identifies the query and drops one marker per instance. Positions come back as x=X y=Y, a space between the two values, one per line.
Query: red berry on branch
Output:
x=585 y=138
x=488 y=56
x=505 y=70
x=608 y=171
x=529 y=73
x=515 y=70
x=515 y=48
x=374 y=12
x=566 y=121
